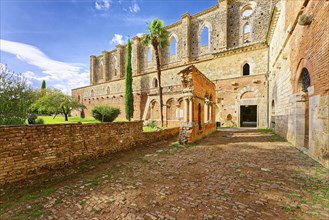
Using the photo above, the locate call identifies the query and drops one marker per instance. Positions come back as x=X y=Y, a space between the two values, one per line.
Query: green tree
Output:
x=158 y=38
x=129 y=97
x=43 y=88
x=105 y=113
x=16 y=97
x=56 y=102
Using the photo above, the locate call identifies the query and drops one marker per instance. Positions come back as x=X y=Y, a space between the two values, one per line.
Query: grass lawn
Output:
x=61 y=120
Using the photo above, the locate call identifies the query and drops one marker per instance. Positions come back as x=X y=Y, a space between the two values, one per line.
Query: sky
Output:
x=52 y=40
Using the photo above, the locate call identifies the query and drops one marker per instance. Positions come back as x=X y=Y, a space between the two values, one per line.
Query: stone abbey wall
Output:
x=225 y=23
x=31 y=150
x=223 y=58
x=302 y=117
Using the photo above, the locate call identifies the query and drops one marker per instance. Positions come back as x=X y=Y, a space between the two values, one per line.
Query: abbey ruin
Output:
x=267 y=60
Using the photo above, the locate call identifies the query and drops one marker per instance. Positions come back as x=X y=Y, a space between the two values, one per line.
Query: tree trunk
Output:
x=157 y=57
x=65 y=114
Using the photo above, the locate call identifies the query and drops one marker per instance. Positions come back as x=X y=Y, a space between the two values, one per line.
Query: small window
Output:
x=149 y=55
x=246 y=29
x=305 y=80
x=79 y=98
x=205 y=36
x=155 y=83
x=92 y=93
x=173 y=46
x=108 y=90
x=247 y=12
x=246 y=70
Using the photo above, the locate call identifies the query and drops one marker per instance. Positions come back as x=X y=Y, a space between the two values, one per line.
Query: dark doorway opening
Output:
x=248 y=116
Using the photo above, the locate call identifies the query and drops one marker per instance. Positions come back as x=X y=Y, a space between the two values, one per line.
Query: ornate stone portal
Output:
x=199 y=95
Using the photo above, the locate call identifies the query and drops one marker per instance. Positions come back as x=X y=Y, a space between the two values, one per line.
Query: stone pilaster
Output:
x=92 y=69
x=106 y=68
x=120 y=61
x=135 y=55
x=186 y=26
x=223 y=11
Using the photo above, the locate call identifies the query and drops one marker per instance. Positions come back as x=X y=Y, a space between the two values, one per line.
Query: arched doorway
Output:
x=304 y=83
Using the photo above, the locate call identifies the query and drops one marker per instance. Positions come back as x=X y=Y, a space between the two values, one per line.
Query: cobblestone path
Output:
x=232 y=174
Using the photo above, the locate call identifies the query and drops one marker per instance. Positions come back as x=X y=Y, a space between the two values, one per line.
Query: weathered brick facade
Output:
x=259 y=55
x=299 y=75
x=31 y=150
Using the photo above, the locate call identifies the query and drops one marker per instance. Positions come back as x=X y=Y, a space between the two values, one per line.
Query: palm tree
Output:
x=158 y=38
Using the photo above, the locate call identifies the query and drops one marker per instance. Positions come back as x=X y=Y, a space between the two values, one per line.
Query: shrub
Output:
x=39 y=121
x=105 y=113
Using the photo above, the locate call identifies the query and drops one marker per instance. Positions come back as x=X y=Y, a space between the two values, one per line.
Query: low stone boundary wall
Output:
x=30 y=150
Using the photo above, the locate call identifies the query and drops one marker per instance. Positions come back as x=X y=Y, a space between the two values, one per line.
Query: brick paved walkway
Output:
x=232 y=174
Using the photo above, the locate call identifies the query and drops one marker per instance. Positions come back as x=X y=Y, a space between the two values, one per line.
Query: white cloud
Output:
x=70 y=75
x=134 y=7
x=140 y=35
x=102 y=4
x=117 y=39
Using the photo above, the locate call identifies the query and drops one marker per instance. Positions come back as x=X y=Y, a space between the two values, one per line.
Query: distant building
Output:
x=268 y=61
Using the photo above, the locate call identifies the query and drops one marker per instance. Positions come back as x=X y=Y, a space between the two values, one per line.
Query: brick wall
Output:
x=30 y=150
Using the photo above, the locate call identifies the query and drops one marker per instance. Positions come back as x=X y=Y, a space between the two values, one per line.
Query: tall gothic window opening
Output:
x=173 y=46
x=205 y=36
x=149 y=55
x=305 y=80
x=246 y=69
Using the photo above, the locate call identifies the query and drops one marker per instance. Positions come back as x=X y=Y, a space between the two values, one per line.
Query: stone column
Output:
x=135 y=55
x=186 y=110
x=205 y=112
x=186 y=42
x=106 y=65
x=92 y=69
x=191 y=111
x=120 y=61
x=210 y=112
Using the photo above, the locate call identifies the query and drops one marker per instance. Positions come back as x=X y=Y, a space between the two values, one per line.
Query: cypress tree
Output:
x=43 y=88
x=129 y=97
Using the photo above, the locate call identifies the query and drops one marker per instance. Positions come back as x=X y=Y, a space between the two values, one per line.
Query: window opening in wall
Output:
x=115 y=66
x=246 y=70
x=204 y=36
x=92 y=93
x=173 y=46
x=246 y=29
x=108 y=90
x=246 y=33
x=149 y=55
x=247 y=12
x=78 y=98
x=155 y=83
x=305 y=80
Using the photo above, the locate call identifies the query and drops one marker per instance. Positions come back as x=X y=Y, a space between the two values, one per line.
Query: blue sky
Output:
x=53 y=39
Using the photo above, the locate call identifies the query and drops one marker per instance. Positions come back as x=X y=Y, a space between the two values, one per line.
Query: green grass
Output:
x=147 y=129
x=61 y=120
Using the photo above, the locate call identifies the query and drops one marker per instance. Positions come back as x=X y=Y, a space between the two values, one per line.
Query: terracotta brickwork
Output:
x=299 y=82
x=31 y=150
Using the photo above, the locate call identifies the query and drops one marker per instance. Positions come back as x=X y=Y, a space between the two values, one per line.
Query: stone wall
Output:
x=30 y=150
x=302 y=117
